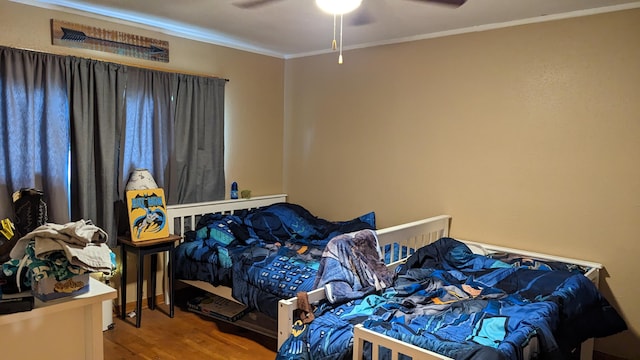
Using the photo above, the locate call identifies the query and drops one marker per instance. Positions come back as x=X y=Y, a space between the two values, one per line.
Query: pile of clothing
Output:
x=57 y=253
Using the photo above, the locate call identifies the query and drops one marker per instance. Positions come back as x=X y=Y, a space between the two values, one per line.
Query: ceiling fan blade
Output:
x=455 y=3
x=249 y=4
x=361 y=16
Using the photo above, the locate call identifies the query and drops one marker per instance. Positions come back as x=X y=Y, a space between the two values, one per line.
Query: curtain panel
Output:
x=34 y=131
x=97 y=121
x=96 y=105
x=196 y=171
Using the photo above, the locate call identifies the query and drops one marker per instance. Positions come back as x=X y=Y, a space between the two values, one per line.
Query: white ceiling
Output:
x=294 y=28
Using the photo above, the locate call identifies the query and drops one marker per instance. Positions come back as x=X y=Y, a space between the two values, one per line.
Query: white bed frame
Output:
x=415 y=235
x=411 y=235
x=182 y=218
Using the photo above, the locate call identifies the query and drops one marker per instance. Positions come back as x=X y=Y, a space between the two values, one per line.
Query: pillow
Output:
x=217 y=232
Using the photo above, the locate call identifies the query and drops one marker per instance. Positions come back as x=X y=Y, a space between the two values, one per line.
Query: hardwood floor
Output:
x=185 y=336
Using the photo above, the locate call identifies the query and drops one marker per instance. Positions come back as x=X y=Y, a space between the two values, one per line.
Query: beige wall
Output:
x=529 y=136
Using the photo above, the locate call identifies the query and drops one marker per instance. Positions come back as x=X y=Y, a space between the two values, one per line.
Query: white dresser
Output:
x=66 y=328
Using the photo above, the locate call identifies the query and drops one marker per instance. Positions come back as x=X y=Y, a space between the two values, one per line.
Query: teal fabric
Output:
x=55 y=265
x=490 y=331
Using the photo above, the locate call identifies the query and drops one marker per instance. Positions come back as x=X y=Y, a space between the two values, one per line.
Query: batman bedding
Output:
x=465 y=306
x=263 y=254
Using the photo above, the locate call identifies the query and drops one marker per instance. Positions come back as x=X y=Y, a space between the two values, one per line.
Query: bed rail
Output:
x=184 y=217
x=404 y=239
x=593 y=272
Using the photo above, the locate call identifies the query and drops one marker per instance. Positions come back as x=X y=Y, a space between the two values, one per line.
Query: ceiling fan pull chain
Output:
x=333 y=43
x=340 y=56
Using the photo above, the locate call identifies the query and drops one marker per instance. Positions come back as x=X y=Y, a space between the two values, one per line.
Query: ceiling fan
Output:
x=361 y=14
x=248 y=4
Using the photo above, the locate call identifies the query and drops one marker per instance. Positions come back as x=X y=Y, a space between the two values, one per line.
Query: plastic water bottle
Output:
x=234 y=190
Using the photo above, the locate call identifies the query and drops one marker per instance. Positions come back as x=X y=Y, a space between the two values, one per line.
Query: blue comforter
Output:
x=264 y=254
x=465 y=306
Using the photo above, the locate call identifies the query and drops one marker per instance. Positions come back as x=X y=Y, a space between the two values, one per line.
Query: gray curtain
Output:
x=34 y=130
x=96 y=121
x=196 y=166
x=147 y=140
x=96 y=97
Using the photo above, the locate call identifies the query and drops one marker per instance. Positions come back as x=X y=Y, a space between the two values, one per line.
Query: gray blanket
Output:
x=351 y=267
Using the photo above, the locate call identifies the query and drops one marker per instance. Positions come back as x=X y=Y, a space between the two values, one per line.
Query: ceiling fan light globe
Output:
x=338 y=7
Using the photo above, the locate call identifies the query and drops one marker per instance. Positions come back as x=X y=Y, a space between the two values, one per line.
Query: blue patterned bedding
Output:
x=264 y=254
x=466 y=306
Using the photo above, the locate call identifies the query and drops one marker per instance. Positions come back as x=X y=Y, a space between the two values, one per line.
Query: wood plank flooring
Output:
x=185 y=336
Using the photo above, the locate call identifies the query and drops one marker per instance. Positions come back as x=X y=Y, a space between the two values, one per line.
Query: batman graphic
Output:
x=152 y=221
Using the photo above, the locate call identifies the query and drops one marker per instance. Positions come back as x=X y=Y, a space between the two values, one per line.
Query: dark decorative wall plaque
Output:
x=88 y=37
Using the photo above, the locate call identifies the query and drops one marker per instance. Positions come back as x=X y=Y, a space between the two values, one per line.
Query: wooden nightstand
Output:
x=141 y=248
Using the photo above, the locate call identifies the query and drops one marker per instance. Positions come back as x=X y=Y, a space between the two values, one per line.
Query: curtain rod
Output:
x=125 y=63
